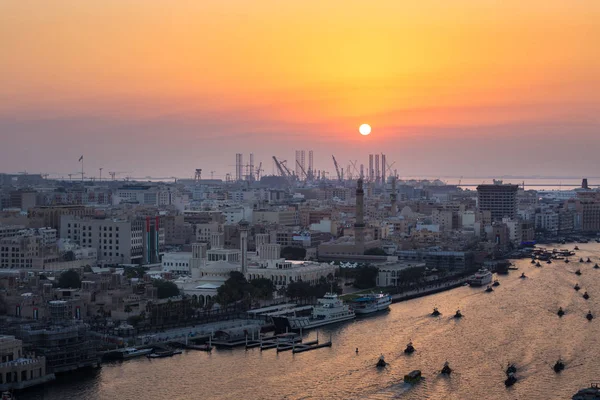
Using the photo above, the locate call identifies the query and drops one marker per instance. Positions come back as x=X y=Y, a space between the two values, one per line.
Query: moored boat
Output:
x=409 y=348
x=489 y=289
x=436 y=312
x=329 y=310
x=164 y=353
x=458 y=314
x=496 y=282
x=381 y=362
x=480 y=278
x=589 y=316
x=588 y=260
x=371 y=303
x=596 y=266
x=560 y=312
x=132 y=352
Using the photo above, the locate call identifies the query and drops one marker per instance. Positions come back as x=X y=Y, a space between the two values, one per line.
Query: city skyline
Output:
x=166 y=89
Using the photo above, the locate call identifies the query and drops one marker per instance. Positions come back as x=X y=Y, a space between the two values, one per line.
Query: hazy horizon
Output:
x=509 y=88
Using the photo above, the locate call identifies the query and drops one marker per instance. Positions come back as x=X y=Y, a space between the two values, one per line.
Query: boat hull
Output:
x=284 y=323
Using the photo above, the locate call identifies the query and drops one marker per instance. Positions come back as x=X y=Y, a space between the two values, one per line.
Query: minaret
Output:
x=359 y=226
x=394 y=198
x=243 y=227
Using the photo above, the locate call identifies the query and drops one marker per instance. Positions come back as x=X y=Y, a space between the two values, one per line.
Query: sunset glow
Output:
x=429 y=73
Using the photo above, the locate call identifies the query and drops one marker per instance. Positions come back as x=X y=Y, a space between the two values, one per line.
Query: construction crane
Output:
x=389 y=170
x=279 y=167
x=337 y=169
x=115 y=173
x=259 y=170
x=302 y=169
x=289 y=173
x=212 y=174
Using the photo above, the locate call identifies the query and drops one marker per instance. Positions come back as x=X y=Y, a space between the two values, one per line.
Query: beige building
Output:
x=21 y=252
x=17 y=370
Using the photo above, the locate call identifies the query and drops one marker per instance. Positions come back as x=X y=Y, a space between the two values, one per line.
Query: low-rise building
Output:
x=18 y=370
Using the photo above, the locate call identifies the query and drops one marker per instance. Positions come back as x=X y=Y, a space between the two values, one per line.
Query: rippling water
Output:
x=516 y=323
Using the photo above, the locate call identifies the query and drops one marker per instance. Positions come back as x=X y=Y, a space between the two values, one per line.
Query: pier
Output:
x=413 y=294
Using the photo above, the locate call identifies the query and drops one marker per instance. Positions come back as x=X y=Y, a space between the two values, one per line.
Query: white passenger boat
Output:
x=371 y=303
x=132 y=352
x=481 y=278
x=329 y=310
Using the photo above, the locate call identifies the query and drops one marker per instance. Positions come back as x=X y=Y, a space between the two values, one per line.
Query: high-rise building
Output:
x=311 y=167
x=377 y=172
x=239 y=167
x=300 y=163
x=383 y=169
x=371 y=170
x=499 y=199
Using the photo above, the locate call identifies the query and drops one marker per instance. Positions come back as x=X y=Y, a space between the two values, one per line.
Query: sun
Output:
x=364 y=129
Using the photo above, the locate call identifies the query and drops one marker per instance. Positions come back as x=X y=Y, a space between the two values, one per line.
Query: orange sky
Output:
x=297 y=73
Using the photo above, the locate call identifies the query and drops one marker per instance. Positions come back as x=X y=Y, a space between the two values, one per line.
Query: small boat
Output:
x=511 y=380
x=533 y=260
x=537 y=264
x=589 y=316
x=7 y=396
x=588 y=260
x=413 y=376
x=567 y=260
x=458 y=314
x=496 y=282
x=575 y=248
x=586 y=295
x=549 y=262
x=409 y=348
x=578 y=272
x=576 y=287
x=489 y=289
x=596 y=266
x=164 y=353
x=381 y=362
x=581 y=260
x=446 y=370
x=558 y=366
x=523 y=276
x=560 y=312
x=511 y=369
x=132 y=352
x=201 y=347
x=436 y=312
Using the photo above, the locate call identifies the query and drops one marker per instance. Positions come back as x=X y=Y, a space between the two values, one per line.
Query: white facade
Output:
x=547 y=220
x=234 y=215
x=514 y=229
x=177 y=263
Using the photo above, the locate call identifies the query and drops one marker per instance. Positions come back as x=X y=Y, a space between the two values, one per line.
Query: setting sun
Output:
x=364 y=129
